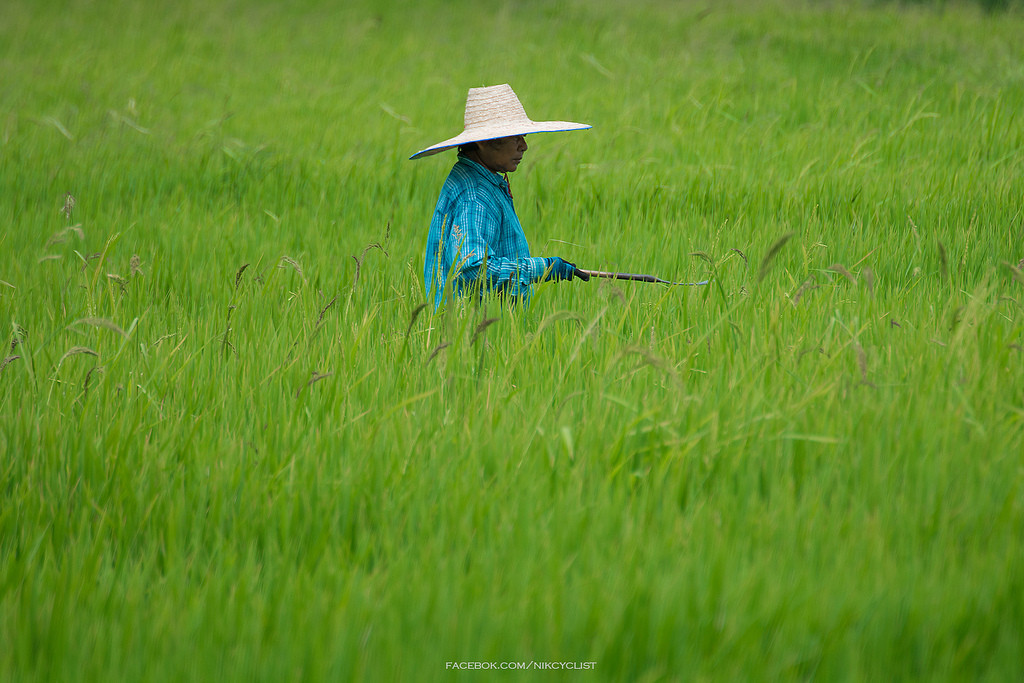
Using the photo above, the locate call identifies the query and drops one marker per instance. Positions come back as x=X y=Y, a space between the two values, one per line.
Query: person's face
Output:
x=503 y=154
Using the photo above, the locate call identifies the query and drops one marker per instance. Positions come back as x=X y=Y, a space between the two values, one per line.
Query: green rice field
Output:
x=236 y=445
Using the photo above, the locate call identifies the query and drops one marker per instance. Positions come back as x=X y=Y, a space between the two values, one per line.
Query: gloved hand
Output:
x=559 y=269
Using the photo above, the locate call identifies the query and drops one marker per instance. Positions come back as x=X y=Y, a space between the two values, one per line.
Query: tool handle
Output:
x=636 y=277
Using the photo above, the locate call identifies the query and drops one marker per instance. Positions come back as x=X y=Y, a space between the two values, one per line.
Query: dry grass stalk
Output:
x=238 y=275
x=136 y=265
x=88 y=378
x=7 y=361
x=120 y=281
x=372 y=245
x=805 y=287
x=869 y=279
x=773 y=251
x=325 y=309
x=77 y=350
x=648 y=357
x=69 y=205
x=288 y=260
x=412 y=318
x=481 y=328
x=862 y=363
x=702 y=255
x=943 y=262
x=359 y=260
x=102 y=322
x=913 y=227
x=316 y=377
x=88 y=257
x=440 y=347
x=60 y=236
x=841 y=269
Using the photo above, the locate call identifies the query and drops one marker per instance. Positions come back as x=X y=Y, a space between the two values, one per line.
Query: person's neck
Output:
x=474 y=156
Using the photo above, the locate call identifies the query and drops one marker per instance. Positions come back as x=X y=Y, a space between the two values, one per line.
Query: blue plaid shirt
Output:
x=475 y=224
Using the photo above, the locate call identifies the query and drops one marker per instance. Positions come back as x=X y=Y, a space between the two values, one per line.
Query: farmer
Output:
x=475 y=240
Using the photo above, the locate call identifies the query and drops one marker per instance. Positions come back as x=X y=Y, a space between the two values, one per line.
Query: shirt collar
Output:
x=483 y=171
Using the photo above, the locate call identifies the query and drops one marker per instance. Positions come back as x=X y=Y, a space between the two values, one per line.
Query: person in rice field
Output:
x=475 y=242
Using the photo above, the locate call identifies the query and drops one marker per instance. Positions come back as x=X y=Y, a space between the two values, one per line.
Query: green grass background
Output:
x=227 y=451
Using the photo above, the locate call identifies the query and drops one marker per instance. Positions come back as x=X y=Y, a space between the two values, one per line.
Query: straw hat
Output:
x=495 y=112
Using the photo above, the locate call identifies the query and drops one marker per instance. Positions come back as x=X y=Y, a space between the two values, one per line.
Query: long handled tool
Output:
x=636 y=277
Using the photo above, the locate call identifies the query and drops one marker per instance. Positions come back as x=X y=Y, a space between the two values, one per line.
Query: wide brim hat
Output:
x=495 y=112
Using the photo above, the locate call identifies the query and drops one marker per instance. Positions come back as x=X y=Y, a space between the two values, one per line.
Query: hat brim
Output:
x=500 y=131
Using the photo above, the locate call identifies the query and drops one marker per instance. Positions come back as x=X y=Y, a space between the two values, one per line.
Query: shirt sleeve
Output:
x=477 y=233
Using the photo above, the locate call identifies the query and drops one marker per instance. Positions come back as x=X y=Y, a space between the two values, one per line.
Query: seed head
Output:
x=69 y=205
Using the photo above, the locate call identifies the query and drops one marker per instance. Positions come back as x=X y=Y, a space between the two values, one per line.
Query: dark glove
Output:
x=559 y=269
